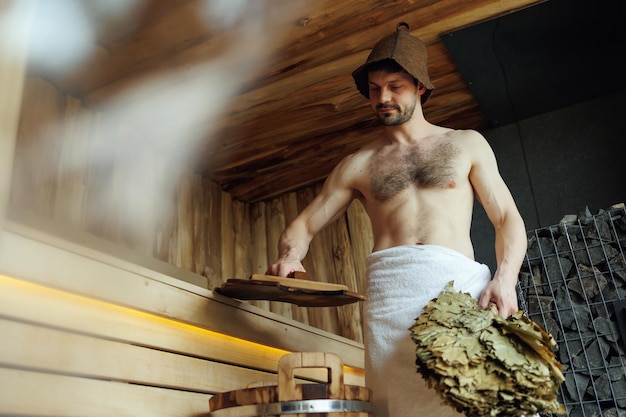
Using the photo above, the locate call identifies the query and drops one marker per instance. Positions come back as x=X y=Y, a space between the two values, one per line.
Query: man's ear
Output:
x=421 y=89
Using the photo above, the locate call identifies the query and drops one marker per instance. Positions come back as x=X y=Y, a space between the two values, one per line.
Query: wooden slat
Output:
x=228 y=237
x=290 y=208
x=317 y=265
x=361 y=240
x=362 y=243
x=258 y=247
x=20 y=300
x=37 y=394
x=199 y=225
x=48 y=350
x=74 y=154
x=184 y=238
x=241 y=238
x=349 y=315
x=275 y=217
x=12 y=73
x=37 y=147
x=212 y=209
x=298 y=283
x=97 y=179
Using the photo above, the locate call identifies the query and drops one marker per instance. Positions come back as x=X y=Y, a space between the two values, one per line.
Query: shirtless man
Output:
x=417 y=182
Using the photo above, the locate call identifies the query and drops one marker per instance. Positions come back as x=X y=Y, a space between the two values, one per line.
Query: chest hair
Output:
x=394 y=172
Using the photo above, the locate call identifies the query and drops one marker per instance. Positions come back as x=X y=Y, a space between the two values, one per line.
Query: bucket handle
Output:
x=287 y=364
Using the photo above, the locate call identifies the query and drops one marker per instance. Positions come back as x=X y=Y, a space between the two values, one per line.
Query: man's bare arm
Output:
x=510 y=232
x=510 y=247
x=328 y=205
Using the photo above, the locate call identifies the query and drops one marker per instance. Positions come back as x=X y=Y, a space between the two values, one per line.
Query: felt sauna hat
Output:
x=406 y=50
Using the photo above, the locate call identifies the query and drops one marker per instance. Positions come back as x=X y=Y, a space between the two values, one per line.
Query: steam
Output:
x=141 y=138
x=63 y=32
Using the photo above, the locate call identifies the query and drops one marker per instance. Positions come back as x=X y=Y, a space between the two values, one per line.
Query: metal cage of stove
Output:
x=573 y=283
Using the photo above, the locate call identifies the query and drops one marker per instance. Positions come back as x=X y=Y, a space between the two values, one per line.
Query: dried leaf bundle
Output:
x=484 y=365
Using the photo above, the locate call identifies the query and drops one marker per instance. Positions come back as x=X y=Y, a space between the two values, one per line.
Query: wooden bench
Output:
x=85 y=333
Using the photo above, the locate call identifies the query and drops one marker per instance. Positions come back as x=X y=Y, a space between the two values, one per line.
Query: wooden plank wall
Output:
x=78 y=174
x=86 y=332
x=88 y=329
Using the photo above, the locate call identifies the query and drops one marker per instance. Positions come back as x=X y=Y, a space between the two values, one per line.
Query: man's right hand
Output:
x=285 y=267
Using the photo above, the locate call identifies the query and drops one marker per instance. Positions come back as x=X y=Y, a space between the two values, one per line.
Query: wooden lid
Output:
x=302 y=292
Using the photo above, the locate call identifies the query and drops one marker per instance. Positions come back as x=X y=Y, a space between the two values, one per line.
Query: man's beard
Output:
x=399 y=117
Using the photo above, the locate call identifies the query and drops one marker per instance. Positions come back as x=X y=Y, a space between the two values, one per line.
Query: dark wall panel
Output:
x=543 y=58
x=559 y=163
x=577 y=157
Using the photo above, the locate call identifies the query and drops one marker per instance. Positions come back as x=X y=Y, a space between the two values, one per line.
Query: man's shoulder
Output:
x=358 y=158
x=365 y=151
x=455 y=134
x=353 y=166
x=464 y=137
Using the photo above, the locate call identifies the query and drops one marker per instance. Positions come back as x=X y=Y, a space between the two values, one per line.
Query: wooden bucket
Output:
x=297 y=400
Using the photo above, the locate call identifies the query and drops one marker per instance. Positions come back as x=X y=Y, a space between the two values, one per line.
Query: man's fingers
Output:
x=484 y=300
x=284 y=269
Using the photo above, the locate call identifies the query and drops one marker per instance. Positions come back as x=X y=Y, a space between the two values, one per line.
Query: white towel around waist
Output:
x=401 y=280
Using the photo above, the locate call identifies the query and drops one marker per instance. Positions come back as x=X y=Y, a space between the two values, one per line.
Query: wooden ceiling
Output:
x=258 y=95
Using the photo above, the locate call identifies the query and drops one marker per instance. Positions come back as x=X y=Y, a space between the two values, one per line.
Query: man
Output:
x=416 y=182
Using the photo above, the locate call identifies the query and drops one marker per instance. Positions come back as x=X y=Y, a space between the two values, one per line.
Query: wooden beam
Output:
x=12 y=73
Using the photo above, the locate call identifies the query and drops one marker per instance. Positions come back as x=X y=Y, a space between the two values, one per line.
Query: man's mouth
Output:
x=386 y=109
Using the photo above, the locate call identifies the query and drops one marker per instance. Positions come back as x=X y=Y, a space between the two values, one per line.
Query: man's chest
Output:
x=395 y=170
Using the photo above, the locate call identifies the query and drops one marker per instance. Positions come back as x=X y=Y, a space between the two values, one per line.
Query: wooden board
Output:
x=30 y=393
x=301 y=292
x=301 y=282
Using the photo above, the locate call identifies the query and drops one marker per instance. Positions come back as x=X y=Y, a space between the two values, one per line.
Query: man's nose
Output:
x=385 y=95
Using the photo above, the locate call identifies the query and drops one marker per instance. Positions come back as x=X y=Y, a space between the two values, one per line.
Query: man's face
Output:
x=393 y=96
